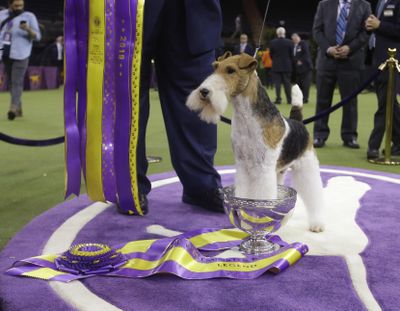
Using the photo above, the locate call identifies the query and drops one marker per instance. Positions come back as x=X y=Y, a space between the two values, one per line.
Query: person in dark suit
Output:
x=281 y=50
x=181 y=37
x=244 y=46
x=341 y=36
x=302 y=65
x=386 y=34
x=54 y=56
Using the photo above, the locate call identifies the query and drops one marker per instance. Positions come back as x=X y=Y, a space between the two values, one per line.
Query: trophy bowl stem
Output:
x=256 y=244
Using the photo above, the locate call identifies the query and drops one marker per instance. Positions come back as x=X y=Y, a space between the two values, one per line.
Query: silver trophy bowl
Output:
x=259 y=217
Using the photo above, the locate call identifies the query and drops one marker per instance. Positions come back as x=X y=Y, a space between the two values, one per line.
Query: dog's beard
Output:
x=214 y=108
x=209 y=109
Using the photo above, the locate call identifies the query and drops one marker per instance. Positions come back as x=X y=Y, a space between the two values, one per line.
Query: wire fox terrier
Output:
x=265 y=144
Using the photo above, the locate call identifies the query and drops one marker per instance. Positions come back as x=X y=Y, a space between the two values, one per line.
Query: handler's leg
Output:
x=192 y=142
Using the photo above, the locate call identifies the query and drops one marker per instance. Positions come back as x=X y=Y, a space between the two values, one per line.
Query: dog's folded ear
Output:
x=225 y=56
x=247 y=62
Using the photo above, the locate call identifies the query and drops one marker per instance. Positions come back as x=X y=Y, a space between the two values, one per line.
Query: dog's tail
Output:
x=296 y=113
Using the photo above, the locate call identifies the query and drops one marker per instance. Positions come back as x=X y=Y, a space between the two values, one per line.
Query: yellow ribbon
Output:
x=95 y=77
x=136 y=62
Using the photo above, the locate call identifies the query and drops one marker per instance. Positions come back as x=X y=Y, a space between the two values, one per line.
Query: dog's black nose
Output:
x=204 y=92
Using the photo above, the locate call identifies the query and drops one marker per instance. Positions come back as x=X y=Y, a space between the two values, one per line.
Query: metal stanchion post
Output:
x=392 y=65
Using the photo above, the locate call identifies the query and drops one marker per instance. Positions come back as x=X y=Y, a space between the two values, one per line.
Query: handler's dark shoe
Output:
x=372 y=154
x=319 y=143
x=353 y=144
x=11 y=115
x=396 y=150
x=144 y=205
x=211 y=200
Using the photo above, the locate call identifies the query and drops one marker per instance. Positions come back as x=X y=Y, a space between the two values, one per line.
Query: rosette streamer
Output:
x=188 y=256
x=103 y=42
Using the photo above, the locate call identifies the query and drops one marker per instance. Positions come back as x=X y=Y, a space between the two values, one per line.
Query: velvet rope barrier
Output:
x=31 y=142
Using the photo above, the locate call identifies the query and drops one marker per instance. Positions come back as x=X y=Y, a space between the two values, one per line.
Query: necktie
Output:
x=342 y=23
x=379 y=9
x=295 y=50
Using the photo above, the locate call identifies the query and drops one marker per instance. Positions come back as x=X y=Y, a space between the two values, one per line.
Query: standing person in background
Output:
x=244 y=46
x=386 y=34
x=281 y=50
x=191 y=30
x=238 y=26
x=302 y=65
x=339 y=30
x=18 y=29
x=60 y=53
x=265 y=65
x=267 y=62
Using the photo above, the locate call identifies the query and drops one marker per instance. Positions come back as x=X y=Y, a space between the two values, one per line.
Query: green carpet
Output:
x=32 y=179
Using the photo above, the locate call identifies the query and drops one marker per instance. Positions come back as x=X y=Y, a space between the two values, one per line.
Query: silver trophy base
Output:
x=254 y=245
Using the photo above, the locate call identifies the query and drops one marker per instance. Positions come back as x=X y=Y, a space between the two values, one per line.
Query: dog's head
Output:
x=231 y=77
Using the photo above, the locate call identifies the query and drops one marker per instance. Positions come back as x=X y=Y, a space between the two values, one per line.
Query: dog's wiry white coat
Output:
x=307 y=181
x=255 y=162
x=297 y=96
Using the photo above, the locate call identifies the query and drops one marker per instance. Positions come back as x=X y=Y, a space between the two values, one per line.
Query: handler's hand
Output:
x=333 y=51
x=372 y=23
x=343 y=51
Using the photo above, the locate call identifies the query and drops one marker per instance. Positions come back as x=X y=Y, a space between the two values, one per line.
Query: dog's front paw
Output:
x=317 y=227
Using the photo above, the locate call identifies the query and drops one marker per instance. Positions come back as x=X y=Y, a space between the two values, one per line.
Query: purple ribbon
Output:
x=108 y=263
x=72 y=139
x=82 y=32
x=173 y=267
x=125 y=29
x=108 y=173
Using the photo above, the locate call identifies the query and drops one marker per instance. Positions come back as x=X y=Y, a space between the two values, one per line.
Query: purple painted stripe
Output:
x=82 y=33
x=72 y=139
x=108 y=173
x=125 y=28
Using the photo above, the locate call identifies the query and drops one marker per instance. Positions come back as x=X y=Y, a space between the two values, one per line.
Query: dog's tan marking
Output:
x=273 y=132
x=310 y=145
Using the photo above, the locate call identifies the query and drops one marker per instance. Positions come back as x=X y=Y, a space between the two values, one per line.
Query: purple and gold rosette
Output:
x=188 y=256
x=103 y=44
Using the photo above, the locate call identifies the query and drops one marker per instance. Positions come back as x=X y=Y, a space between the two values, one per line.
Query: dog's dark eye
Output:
x=230 y=70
